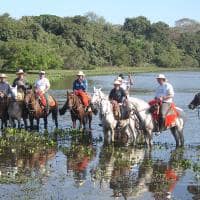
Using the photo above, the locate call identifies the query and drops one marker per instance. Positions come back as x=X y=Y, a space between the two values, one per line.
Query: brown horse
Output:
x=36 y=111
x=77 y=110
x=3 y=109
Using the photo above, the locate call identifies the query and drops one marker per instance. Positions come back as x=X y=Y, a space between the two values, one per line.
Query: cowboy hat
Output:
x=119 y=78
x=161 y=76
x=20 y=71
x=42 y=72
x=117 y=82
x=80 y=73
x=3 y=76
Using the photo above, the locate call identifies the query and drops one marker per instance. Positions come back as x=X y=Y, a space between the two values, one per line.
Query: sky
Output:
x=114 y=11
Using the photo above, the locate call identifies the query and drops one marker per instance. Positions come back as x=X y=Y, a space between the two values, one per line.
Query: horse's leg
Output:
x=25 y=123
x=175 y=134
x=31 y=122
x=38 y=124
x=55 y=116
x=148 y=138
x=90 y=121
x=19 y=123
x=45 y=122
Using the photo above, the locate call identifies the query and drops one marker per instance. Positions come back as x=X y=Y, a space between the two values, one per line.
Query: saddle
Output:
x=120 y=111
x=170 y=117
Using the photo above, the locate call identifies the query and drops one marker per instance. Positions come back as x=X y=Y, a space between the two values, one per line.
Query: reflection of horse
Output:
x=195 y=102
x=165 y=175
x=78 y=159
x=77 y=111
x=3 y=109
x=117 y=168
x=16 y=108
x=36 y=111
x=141 y=109
x=108 y=119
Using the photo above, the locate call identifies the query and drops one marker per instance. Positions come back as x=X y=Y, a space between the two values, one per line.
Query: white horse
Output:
x=108 y=120
x=141 y=109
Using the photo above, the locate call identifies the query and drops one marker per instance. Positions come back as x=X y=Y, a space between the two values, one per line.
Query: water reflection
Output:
x=18 y=167
x=133 y=172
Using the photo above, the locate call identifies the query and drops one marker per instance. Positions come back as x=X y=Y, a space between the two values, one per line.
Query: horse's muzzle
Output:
x=191 y=106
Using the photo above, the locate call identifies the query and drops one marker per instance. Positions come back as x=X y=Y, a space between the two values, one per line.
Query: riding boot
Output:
x=161 y=124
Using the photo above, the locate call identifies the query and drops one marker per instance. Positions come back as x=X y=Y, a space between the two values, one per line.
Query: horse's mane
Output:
x=138 y=103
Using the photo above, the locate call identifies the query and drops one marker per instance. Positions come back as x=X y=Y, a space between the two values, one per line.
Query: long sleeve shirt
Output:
x=80 y=85
x=117 y=95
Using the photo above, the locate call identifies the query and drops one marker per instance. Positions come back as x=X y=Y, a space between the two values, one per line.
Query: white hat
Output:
x=161 y=76
x=42 y=72
x=117 y=82
x=119 y=78
x=20 y=71
x=80 y=73
x=3 y=76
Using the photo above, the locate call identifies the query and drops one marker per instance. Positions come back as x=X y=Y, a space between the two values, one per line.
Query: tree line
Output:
x=52 y=42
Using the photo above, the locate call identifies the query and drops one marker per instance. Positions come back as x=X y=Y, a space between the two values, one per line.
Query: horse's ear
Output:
x=94 y=88
x=67 y=93
x=99 y=89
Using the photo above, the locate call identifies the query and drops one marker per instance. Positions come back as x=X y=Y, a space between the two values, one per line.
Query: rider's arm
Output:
x=111 y=95
x=47 y=85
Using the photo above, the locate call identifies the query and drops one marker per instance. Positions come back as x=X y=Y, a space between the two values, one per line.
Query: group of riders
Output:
x=120 y=93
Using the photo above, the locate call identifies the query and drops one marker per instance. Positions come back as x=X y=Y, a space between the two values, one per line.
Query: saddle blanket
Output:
x=170 y=117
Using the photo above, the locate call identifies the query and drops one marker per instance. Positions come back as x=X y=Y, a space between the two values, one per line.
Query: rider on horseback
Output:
x=125 y=84
x=42 y=86
x=4 y=86
x=80 y=88
x=118 y=95
x=21 y=83
x=165 y=94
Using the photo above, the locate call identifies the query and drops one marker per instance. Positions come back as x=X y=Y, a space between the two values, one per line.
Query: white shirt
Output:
x=42 y=84
x=164 y=90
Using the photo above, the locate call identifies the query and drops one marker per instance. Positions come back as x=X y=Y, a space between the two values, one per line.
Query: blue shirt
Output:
x=80 y=85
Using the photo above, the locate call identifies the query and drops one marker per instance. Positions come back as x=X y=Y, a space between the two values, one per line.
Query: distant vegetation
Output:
x=52 y=42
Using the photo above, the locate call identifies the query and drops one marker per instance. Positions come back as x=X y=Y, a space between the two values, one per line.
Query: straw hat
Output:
x=42 y=72
x=20 y=71
x=119 y=78
x=117 y=82
x=80 y=73
x=161 y=76
x=3 y=76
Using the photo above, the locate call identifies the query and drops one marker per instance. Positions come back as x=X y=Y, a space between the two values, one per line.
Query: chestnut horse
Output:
x=36 y=111
x=77 y=110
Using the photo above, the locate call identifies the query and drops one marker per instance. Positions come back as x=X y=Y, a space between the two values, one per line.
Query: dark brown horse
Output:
x=36 y=111
x=3 y=109
x=77 y=110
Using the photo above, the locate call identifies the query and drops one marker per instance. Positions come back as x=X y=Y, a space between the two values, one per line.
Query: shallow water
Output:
x=89 y=170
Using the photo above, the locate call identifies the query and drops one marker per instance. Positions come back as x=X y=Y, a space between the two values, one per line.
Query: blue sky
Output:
x=114 y=11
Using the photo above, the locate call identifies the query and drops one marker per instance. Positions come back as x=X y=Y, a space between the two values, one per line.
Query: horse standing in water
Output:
x=36 y=111
x=77 y=111
x=147 y=125
x=17 y=108
x=126 y=134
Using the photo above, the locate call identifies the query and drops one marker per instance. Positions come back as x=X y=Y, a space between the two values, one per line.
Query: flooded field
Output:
x=84 y=168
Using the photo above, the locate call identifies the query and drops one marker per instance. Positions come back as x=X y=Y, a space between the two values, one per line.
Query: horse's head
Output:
x=71 y=100
x=28 y=96
x=195 y=102
x=97 y=96
x=14 y=92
